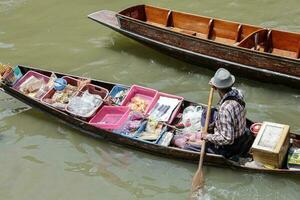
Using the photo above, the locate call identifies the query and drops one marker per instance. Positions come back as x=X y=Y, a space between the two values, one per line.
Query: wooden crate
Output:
x=271 y=144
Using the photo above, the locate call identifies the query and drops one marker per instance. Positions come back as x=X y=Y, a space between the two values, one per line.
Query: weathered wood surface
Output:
x=212 y=53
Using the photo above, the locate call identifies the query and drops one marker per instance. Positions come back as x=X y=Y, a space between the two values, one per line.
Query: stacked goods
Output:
x=31 y=85
x=294 y=158
x=87 y=101
x=165 y=107
x=131 y=125
x=166 y=139
x=4 y=69
x=35 y=85
x=271 y=144
x=139 y=99
x=60 y=98
x=85 y=104
x=138 y=104
x=118 y=94
x=10 y=75
x=151 y=130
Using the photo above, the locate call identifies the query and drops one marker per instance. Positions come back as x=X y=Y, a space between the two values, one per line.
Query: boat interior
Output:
x=171 y=134
x=274 y=42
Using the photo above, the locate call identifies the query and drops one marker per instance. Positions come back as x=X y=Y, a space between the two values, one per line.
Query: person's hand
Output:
x=204 y=135
x=210 y=83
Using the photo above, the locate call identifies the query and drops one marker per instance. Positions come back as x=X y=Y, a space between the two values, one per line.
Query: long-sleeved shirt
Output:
x=231 y=120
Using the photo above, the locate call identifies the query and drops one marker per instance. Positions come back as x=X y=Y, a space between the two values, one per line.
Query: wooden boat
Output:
x=253 y=52
x=88 y=129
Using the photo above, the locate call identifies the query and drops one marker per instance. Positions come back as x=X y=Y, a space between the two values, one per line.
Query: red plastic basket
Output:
x=92 y=89
x=110 y=117
x=50 y=93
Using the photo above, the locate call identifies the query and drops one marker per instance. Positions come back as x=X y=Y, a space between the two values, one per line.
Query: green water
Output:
x=42 y=158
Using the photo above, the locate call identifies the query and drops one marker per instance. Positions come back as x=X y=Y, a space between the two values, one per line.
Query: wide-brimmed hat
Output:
x=222 y=79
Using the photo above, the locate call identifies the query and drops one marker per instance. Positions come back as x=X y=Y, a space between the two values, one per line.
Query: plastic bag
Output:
x=46 y=87
x=191 y=119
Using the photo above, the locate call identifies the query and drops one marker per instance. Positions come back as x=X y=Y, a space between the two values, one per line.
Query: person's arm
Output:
x=224 y=130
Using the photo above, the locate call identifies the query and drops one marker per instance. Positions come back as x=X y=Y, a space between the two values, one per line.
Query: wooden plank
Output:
x=238 y=33
x=210 y=28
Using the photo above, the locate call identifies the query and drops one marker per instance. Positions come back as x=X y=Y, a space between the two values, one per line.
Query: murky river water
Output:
x=42 y=158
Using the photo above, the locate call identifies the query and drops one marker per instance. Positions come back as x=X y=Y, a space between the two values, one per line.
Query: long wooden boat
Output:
x=167 y=151
x=253 y=52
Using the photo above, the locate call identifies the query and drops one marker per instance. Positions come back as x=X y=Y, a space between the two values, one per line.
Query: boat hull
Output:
x=212 y=55
x=170 y=152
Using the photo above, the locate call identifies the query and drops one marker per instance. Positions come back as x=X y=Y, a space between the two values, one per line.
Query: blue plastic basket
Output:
x=116 y=89
x=143 y=127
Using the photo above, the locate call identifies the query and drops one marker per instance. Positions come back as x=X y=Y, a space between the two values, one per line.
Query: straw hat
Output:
x=222 y=79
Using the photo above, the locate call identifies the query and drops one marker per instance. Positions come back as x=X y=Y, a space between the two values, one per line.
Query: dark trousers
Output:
x=240 y=147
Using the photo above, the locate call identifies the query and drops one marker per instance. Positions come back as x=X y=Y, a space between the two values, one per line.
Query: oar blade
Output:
x=198 y=181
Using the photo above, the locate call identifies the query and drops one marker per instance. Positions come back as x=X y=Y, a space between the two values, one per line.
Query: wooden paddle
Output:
x=198 y=179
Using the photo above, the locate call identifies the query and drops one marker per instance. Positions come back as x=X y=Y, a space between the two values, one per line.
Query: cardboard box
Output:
x=271 y=144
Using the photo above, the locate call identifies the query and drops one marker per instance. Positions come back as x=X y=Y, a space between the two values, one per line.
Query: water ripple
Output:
x=33 y=159
x=6 y=5
x=11 y=112
x=102 y=42
x=6 y=45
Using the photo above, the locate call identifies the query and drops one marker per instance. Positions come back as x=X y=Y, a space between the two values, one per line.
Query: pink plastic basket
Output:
x=110 y=117
x=144 y=93
x=93 y=89
x=28 y=75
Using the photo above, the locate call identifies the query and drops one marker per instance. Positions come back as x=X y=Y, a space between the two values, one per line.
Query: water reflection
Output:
x=111 y=162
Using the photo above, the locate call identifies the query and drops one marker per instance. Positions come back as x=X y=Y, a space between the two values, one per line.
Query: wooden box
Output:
x=271 y=144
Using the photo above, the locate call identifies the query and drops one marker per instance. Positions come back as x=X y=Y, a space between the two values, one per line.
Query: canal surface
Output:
x=42 y=158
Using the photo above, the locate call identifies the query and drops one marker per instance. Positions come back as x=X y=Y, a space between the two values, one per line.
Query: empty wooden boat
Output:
x=253 y=52
x=154 y=148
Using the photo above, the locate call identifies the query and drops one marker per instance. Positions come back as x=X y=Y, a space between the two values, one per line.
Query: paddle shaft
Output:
x=198 y=179
x=206 y=126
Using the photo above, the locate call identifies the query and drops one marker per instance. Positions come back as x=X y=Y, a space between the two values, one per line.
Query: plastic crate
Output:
x=175 y=111
x=146 y=94
x=28 y=75
x=110 y=117
x=50 y=93
x=92 y=89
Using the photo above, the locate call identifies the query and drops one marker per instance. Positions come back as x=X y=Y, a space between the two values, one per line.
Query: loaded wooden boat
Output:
x=87 y=128
x=253 y=52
